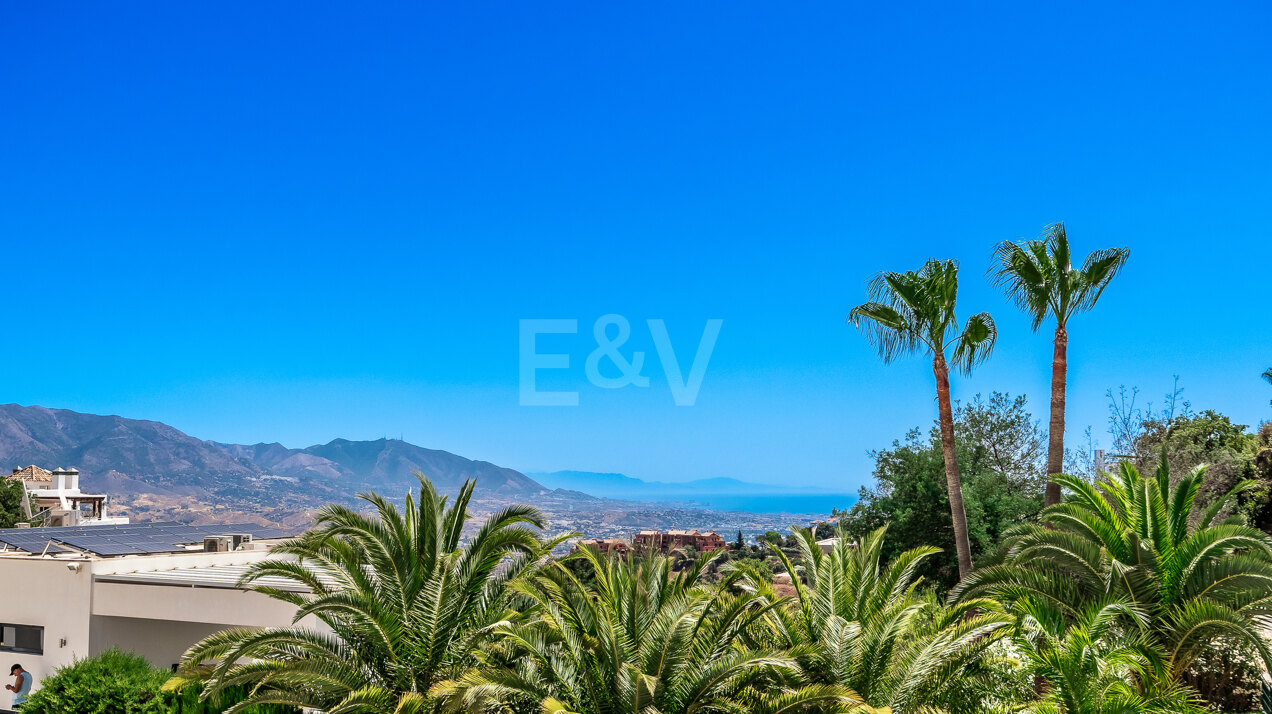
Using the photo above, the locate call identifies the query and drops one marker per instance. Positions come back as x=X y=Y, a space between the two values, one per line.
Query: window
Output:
x=21 y=638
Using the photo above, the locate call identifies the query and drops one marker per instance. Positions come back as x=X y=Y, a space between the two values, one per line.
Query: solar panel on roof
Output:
x=133 y=538
x=30 y=543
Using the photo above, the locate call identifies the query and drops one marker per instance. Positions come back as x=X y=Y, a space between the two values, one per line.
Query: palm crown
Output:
x=1039 y=276
x=915 y=310
x=405 y=602
x=1136 y=539
x=866 y=626
x=643 y=639
x=1097 y=662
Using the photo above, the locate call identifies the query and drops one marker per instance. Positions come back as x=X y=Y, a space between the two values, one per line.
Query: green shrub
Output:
x=113 y=682
x=116 y=682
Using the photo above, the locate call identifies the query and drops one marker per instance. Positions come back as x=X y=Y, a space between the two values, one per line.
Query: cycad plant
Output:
x=405 y=601
x=914 y=311
x=864 y=625
x=1040 y=278
x=1137 y=539
x=1099 y=662
x=643 y=639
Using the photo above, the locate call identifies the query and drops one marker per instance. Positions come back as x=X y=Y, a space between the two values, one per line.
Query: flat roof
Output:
x=209 y=576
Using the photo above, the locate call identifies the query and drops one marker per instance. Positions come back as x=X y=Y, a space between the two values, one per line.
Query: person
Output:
x=21 y=685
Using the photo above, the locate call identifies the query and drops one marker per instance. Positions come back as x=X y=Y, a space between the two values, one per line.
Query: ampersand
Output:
x=609 y=348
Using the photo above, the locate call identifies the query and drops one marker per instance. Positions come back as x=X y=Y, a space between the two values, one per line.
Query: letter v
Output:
x=685 y=393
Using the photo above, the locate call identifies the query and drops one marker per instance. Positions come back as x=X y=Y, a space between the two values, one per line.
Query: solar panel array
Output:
x=130 y=539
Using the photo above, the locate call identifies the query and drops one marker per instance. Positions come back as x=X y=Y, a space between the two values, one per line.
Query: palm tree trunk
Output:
x=1055 y=437
x=953 y=481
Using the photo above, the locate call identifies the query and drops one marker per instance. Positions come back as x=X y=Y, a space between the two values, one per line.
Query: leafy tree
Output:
x=772 y=537
x=1039 y=277
x=865 y=626
x=644 y=640
x=1262 y=518
x=406 y=602
x=909 y=491
x=1008 y=437
x=11 y=495
x=1227 y=450
x=1133 y=539
x=913 y=311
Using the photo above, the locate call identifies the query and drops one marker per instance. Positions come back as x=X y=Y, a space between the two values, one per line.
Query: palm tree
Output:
x=643 y=639
x=1137 y=540
x=913 y=311
x=1040 y=279
x=1099 y=664
x=405 y=602
x=863 y=624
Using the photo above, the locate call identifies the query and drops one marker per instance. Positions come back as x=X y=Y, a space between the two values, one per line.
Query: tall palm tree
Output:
x=863 y=624
x=1136 y=539
x=642 y=639
x=405 y=601
x=914 y=311
x=1039 y=277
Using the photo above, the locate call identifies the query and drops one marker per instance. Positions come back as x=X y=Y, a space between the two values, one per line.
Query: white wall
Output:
x=224 y=606
x=159 y=641
x=44 y=592
x=156 y=621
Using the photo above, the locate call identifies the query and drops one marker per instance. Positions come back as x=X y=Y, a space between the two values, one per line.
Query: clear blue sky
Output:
x=298 y=221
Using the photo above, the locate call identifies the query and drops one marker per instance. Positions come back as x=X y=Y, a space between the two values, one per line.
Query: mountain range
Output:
x=153 y=469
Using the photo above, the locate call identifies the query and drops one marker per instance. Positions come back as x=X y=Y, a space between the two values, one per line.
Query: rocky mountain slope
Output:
x=154 y=470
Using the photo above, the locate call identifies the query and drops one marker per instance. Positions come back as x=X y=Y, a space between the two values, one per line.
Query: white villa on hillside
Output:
x=58 y=500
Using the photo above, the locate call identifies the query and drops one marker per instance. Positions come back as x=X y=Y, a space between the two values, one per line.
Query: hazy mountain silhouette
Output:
x=721 y=493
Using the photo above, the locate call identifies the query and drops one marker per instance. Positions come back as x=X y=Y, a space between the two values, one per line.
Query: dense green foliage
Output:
x=861 y=623
x=407 y=603
x=1106 y=608
x=643 y=640
x=11 y=494
x=1135 y=540
x=999 y=452
x=1097 y=662
x=1230 y=453
x=113 y=682
x=116 y=682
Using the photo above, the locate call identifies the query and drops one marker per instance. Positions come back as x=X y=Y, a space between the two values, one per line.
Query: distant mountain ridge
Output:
x=153 y=463
x=153 y=471
x=383 y=463
x=720 y=492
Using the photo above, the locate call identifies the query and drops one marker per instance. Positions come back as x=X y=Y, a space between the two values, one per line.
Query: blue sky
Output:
x=300 y=221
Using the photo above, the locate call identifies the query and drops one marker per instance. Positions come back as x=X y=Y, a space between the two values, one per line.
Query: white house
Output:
x=58 y=499
x=152 y=588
